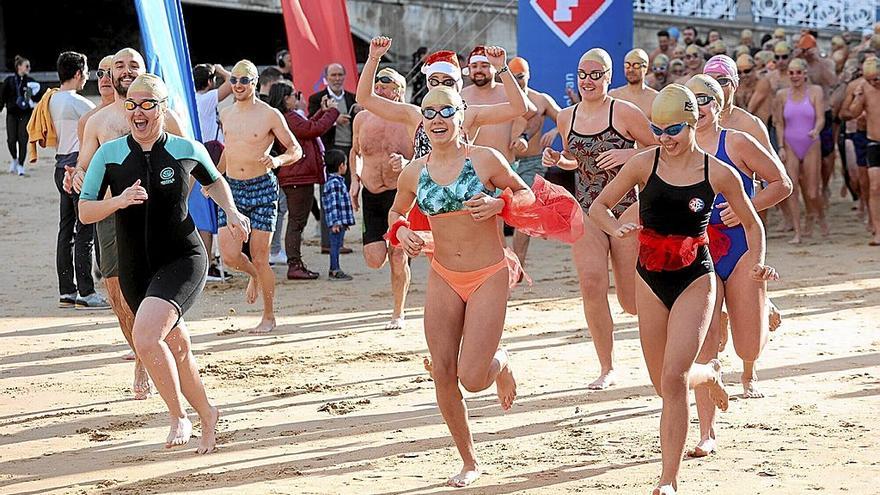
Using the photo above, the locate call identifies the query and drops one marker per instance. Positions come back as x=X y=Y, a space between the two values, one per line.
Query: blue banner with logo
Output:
x=166 y=53
x=553 y=34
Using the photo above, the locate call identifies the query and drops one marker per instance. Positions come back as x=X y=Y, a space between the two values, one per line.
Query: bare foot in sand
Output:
x=664 y=490
x=506 y=385
x=716 y=387
x=253 y=289
x=774 y=315
x=823 y=227
x=208 y=440
x=807 y=230
x=468 y=475
x=141 y=387
x=750 y=386
x=130 y=356
x=181 y=430
x=795 y=240
x=704 y=448
x=725 y=322
x=266 y=325
x=395 y=323
x=605 y=380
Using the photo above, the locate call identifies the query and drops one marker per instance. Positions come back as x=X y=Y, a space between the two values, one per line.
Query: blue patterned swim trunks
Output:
x=255 y=198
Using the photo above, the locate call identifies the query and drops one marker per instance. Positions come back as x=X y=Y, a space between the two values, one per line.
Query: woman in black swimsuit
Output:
x=675 y=290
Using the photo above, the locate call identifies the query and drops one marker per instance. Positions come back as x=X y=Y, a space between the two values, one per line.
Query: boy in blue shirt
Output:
x=338 y=213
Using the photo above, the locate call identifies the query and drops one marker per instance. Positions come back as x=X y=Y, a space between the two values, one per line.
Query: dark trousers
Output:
x=17 y=135
x=299 y=204
x=73 y=255
x=336 y=239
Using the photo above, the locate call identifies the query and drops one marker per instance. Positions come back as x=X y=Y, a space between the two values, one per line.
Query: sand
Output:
x=332 y=403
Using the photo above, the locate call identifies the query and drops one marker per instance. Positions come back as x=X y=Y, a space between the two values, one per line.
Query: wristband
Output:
x=524 y=136
x=503 y=70
x=391 y=235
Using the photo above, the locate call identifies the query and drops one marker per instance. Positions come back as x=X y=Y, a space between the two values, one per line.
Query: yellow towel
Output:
x=40 y=128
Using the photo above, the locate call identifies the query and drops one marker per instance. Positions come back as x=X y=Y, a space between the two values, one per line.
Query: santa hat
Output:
x=443 y=62
x=478 y=54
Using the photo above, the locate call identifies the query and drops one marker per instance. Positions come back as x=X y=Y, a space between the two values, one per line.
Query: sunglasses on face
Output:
x=703 y=100
x=673 y=130
x=724 y=81
x=434 y=82
x=781 y=57
x=661 y=68
x=102 y=72
x=145 y=105
x=634 y=65
x=594 y=75
x=385 y=80
x=445 y=112
x=795 y=73
x=241 y=80
x=746 y=72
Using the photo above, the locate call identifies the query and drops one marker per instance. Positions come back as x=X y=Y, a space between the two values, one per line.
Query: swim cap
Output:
x=636 y=55
x=150 y=84
x=722 y=65
x=660 y=61
x=806 y=42
x=676 y=62
x=673 y=105
x=797 y=64
x=745 y=34
x=779 y=33
x=742 y=50
x=875 y=42
x=674 y=33
x=837 y=41
x=518 y=65
x=106 y=62
x=764 y=56
x=718 y=46
x=692 y=50
x=394 y=75
x=745 y=62
x=245 y=68
x=703 y=84
x=441 y=95
x=131 y=52
x=597 y=55
x=782 y=48
x=871 y=67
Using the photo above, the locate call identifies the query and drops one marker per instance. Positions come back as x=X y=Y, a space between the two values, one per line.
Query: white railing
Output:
x=853 y=15
x=707 y=9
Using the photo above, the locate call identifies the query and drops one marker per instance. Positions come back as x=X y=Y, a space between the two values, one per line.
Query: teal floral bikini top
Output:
x=434 y=199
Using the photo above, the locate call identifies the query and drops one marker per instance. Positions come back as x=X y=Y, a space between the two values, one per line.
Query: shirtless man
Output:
x=856 y=127
x=659 y=77
x=745 y=64
x=693 y=63
x=528 y=163
x=105 y=124
x=379 y=151
x=635 y=66
x=250 y=127
x=820 y=71
x=866 y=98
x=485 y=91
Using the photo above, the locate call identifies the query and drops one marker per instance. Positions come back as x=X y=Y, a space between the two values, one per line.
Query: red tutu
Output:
x=668 y=252
x=417 y=220
x=719 y=242
x=555 y=214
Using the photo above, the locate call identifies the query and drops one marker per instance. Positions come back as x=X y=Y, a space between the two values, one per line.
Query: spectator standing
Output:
x=337 y=210
x=20 y=92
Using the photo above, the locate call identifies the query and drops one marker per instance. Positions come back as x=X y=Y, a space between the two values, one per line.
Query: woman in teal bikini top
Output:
x=437 y=199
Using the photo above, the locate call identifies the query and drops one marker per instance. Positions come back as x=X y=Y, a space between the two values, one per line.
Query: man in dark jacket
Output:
x=19 y=93
x=337 y=136
x=298 y=181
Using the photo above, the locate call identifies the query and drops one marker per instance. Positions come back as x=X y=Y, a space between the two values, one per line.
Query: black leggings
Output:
x=17 y=135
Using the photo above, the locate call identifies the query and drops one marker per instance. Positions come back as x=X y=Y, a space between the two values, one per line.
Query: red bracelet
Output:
x=391 y=235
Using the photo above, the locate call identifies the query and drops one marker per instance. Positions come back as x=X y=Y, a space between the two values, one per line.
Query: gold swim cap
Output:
x=779 y=33
x=676 y=62
x=745 y=62
x=106 y=62
x=673 y=105
x=875 y=42
x=871 y=66
x=597 y=55
x=745 y=34
x=782 y=48
x=132 y=53
x=742 y=50
x=692 y=50
x=837 y=41
x=797 y=64
x=718 y=47
x=394 y=75
x=441 y=95
x=150 y=84
x=636 y=55
x=661 y=61
x=245 y=68
x=764 y=56
x=706 y=85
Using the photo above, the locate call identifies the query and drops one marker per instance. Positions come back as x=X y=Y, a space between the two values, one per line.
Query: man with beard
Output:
x=635 y=66
x=689 y=36
x=108 y=123
x=659 y=77
x=665 y=45
x=250 y=128
x=767 y=87
x=380 y=150
x=485 y=91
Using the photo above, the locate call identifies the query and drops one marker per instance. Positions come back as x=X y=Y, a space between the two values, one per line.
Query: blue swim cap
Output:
x=674 y=33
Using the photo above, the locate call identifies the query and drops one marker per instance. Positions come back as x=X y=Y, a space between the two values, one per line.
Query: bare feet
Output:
x=664 y=490
x=795 y=240
x=395 y=323
x=181 y=430
x=266 y=325
x=130 y=356
x=605 y=380
x=725 y=321
x=774 y=315
x=823 y=227
x=704 y=448
x=807 y=230
x=208 y=440
x=750 y=386
x=506 y=385
x=141 y=387
x=467 y=476
x=716 y=387
x=253 y=289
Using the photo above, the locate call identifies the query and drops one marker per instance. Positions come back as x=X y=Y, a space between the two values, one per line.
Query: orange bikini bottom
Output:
x=466 y=283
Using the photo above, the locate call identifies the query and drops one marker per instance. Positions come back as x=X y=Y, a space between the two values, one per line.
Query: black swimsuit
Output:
x=673 y=245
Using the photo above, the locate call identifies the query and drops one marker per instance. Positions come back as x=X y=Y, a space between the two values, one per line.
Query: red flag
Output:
x=318 y=34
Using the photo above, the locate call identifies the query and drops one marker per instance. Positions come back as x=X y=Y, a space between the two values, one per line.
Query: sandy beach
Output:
x=330 y=403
